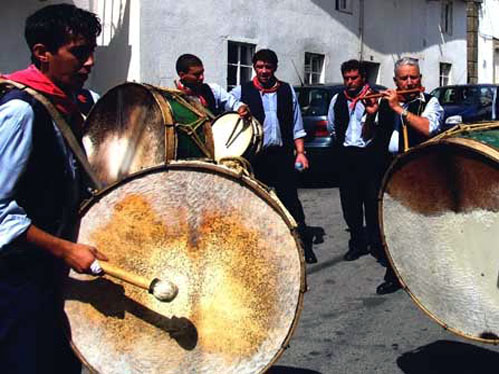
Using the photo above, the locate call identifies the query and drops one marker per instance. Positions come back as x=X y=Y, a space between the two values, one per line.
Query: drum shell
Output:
x=107 y=305
x=135 y=126
x=438 y=213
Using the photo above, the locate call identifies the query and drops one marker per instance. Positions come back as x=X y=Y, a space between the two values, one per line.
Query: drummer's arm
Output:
x=16 y=125
x=77 y=256
x=298 y=132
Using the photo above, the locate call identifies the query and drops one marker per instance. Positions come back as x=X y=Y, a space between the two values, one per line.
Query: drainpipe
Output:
x=472 y=10
x=361 y=30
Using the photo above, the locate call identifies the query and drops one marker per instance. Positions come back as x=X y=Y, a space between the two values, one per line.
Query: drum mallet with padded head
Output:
x=160 y=289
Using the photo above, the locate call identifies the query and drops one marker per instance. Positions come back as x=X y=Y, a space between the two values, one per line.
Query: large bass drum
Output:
x=229 y=246
x=136 y=126
x=439 y=214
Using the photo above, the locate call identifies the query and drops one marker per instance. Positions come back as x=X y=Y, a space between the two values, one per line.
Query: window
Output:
x=344 y=6
x=239 y=66
x=314 y=68
x=445 y=69
x=446 y=17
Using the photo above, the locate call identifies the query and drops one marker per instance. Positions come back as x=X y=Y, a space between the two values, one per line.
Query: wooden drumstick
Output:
x=160 y=289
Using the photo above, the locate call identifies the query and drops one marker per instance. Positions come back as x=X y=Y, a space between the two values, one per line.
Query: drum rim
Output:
x=400 y=160
x=258 y=188
x=256 y=142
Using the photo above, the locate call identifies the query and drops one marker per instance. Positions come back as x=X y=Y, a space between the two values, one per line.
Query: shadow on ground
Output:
x=290 y=370
x=445 y=357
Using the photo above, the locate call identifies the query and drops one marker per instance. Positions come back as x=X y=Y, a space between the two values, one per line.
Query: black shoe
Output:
x=310 y=258
x=354 y=254
x=388 y=287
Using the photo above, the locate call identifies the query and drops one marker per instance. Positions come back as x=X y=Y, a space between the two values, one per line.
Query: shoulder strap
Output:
x=61 y=124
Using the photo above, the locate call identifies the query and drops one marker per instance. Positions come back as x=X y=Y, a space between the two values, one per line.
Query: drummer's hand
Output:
x=80 y=256
x=244 y=112
x=393 y=100
x=302 y=158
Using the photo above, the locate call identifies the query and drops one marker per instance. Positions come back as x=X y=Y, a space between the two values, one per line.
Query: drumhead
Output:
x=124 y=132
x=439 y=215
x=235 y=137
x=227 y=244
x=136 y=126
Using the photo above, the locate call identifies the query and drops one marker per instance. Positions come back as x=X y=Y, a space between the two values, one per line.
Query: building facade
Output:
x=142 y=38
x=488 y=42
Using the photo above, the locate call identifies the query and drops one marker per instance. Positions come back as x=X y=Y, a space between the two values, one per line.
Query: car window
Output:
x=313 y=101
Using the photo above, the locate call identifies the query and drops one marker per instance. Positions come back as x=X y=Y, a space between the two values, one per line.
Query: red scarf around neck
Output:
x=360 y=95
x=262 y=89
x=190 y=92
x=34 y=78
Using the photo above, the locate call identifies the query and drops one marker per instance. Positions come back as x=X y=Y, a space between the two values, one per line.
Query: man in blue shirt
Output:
x=274 y=104
x=40 y=192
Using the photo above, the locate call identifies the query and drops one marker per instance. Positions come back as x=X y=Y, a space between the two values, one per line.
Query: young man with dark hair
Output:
x=274 y=104
x=190 y=69
x=40 y=191
x=351 y=123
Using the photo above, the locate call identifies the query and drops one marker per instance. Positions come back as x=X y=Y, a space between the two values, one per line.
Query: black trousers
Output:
x=274 y=166
x=32 y=339
x=360 y=178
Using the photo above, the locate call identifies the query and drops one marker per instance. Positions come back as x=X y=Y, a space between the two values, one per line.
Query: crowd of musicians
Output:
x=42 y=184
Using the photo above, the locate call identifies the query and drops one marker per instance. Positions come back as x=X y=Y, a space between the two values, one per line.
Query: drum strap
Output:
x=63 y=127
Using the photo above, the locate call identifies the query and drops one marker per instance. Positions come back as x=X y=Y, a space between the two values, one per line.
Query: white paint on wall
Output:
x=488 y=32
x=143 y=38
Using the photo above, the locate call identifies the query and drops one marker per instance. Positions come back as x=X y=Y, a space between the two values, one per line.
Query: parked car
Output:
x=314 y=102
x=467 y=103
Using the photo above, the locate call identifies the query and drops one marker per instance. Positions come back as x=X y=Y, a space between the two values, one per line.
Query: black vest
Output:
x=205 y=91
x=251 y=96
x=341 y=118
x=388 y=119
x=43 y=187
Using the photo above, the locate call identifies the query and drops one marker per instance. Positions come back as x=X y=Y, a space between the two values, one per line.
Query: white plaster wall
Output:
x=143 y=38
x=116 y=60
x=488 y=31
x=393 y=28
x=290 y=27
x=412 y=29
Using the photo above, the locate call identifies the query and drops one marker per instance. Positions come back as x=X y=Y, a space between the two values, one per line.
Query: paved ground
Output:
x=345 y=327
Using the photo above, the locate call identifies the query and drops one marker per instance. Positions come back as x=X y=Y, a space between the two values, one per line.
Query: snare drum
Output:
x=439 y=212
x=236 y=137
x=135 y=126
x=237 y=263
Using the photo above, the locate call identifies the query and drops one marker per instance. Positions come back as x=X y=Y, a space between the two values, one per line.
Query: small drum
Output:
x=135 y=126
x=228 y=245
x=236 y=137
x=439 y=212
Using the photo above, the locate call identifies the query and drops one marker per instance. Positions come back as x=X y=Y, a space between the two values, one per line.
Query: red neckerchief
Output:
x=34 y=78
x=190 y=92
x=359 y=96
x=262 y=89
